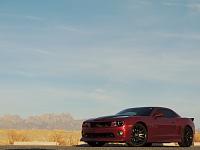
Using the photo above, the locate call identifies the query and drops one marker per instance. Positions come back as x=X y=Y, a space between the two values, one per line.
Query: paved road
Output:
x=91 y=148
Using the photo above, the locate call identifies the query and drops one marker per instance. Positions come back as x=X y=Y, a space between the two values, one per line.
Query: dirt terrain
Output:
x=84 y=147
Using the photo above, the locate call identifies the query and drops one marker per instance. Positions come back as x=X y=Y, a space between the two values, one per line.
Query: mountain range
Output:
x=51 y=121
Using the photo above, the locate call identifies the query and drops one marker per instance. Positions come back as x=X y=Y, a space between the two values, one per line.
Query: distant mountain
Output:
x=52 y=121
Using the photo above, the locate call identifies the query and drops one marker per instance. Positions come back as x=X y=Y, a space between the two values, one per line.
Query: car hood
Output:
x=107 y=118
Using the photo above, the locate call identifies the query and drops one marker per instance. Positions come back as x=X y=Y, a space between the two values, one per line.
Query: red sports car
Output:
x=139 y=127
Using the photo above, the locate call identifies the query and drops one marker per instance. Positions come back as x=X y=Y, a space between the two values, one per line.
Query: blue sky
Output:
x=92 y=58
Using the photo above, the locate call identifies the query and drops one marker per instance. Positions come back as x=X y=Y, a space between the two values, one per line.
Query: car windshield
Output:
x=143 y=111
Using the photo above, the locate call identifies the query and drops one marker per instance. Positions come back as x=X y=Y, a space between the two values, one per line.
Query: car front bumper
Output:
x=108 y=134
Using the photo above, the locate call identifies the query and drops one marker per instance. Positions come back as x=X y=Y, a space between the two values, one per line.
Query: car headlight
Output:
x=86 y=124
x=117 y=123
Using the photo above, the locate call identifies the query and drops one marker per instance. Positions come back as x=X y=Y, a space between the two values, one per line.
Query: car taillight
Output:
x=117 y=123
x=86 y=124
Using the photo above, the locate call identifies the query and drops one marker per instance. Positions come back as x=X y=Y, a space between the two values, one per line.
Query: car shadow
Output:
x=124 y=145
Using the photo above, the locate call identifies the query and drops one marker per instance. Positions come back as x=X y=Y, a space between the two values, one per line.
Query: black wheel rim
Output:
x=139 y=135
x=188 y=136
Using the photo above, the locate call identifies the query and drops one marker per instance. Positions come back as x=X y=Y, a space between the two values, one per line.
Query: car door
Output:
x=165 y=126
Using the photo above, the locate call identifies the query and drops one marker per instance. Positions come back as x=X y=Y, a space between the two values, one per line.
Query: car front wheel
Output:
x=138 y=136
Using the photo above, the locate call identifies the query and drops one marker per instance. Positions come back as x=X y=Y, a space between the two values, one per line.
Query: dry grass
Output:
x=197 y=137
x=65 y=138
x=17 y=136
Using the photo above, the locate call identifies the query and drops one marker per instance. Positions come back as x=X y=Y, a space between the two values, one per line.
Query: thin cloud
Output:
x=74 y=29
x=43 y=52
x=25 y=73
x=144 y=2
x=69 y=28
x=27 y=17
x=186 y=36
x=172 y=66
x=34 y=18
x=172 y=3
x=166 y=68
x=193 y=6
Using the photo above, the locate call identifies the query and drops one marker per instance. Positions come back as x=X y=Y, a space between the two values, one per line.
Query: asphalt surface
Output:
x=14 y=147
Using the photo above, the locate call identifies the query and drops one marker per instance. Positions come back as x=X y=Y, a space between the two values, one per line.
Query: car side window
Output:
x=168 y=113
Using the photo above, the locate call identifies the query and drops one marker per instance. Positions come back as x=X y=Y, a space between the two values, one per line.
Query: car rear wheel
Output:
x=138 y=136
x=187 y=138
x=96 y=144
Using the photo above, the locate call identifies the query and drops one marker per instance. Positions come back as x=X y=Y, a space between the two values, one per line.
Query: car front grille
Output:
x=99 y=135
x=100 y=124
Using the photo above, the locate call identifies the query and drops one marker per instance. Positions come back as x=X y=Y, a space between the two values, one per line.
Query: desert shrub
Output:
x=16 y=136
x=197 y=137
x=72 y=138
x=65 y=138
x=57 y=136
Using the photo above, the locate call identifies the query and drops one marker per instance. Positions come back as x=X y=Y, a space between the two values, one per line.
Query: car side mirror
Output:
x=157 y=115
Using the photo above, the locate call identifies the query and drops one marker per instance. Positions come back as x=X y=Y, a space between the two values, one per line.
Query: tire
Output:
x=187 y=137
x=138 y=136
x=96 y=144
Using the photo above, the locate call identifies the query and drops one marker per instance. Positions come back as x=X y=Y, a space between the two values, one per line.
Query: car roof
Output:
x=155 y=107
